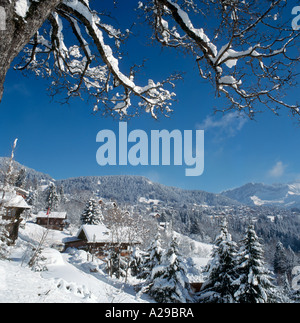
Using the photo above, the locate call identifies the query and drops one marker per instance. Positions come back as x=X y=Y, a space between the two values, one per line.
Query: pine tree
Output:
x=4 y=239
x=152 y=257
x=52 y=198
x=21 y=178
x=221 y=270
x=280 y=260
x=168 y=282
x=254 y=282
x=136 y=262
x=32 y=197
x=116 y=264
x=292 y=262
x=92 y=214
x=286 y=290
x=295 y=296
x=281 y=263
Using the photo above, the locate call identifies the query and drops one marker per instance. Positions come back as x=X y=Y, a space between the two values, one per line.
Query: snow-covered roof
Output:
x=52 y=215
x=21 y=191
x=95 y=233
x=101 y=234
x=195 y=267
x=12 y=200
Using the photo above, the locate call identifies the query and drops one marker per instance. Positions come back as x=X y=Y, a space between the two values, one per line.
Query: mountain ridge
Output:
x=258 y=194
x=126 y=188
x=131 y=188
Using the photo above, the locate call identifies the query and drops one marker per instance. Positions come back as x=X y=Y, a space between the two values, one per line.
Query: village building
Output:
x=14 y=205
x=108 y=204
x=195 y=276
x=196 y=287
x=155 y=215
x=20 y=191
x=52 y=220
x=98 y=240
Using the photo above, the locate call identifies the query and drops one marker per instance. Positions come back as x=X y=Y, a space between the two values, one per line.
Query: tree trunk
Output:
x=19 y=31
x=3 y=72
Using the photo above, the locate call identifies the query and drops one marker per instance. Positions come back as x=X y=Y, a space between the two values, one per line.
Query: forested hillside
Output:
x=194 y=213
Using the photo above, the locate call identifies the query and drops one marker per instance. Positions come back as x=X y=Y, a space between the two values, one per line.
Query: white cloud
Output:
x=227 y=126
x=277 y=170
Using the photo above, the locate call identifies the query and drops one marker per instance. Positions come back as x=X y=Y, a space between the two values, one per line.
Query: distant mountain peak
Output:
x=258 y=194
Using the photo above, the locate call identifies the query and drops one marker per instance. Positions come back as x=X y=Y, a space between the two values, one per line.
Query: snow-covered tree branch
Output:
x=246 y=49
x=91 y=65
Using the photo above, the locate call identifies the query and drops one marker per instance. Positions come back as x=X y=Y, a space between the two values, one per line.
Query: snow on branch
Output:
x=91 y=65
x=246 y=50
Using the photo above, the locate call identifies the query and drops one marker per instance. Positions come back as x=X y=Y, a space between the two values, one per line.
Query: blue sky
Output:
x=61 y=139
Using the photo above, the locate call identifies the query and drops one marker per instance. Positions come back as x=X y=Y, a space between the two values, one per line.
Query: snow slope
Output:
x=21 y=285
x=71 y=277
x=63 y=282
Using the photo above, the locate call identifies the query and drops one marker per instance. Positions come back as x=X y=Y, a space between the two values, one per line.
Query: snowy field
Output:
x=62 y=283
x=70 y=277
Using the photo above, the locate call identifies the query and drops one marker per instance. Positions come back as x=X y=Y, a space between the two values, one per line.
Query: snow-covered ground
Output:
x=71 y=277
x=21 y=285
x=68 y=279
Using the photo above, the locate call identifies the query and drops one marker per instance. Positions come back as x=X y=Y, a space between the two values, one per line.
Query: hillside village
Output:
x=55 y=254
x=130 y=248
x=125 y=238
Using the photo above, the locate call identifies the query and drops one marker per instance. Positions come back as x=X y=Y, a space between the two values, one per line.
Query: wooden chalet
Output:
x=14 y=205
x=20 y=191
x=155 y=215
x=98 y=239
x=52 y=220
x=196 y=287
x=195 y=273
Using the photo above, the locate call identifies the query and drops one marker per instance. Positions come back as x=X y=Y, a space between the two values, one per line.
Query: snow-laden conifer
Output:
x=92 y=214
x=221 y=270
x=136 y=262
x=168 y=282
x=4 y=239
x=116 y=263
x=281 y=263
x=254 y=281
x=152 y=258
x=52 y=198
